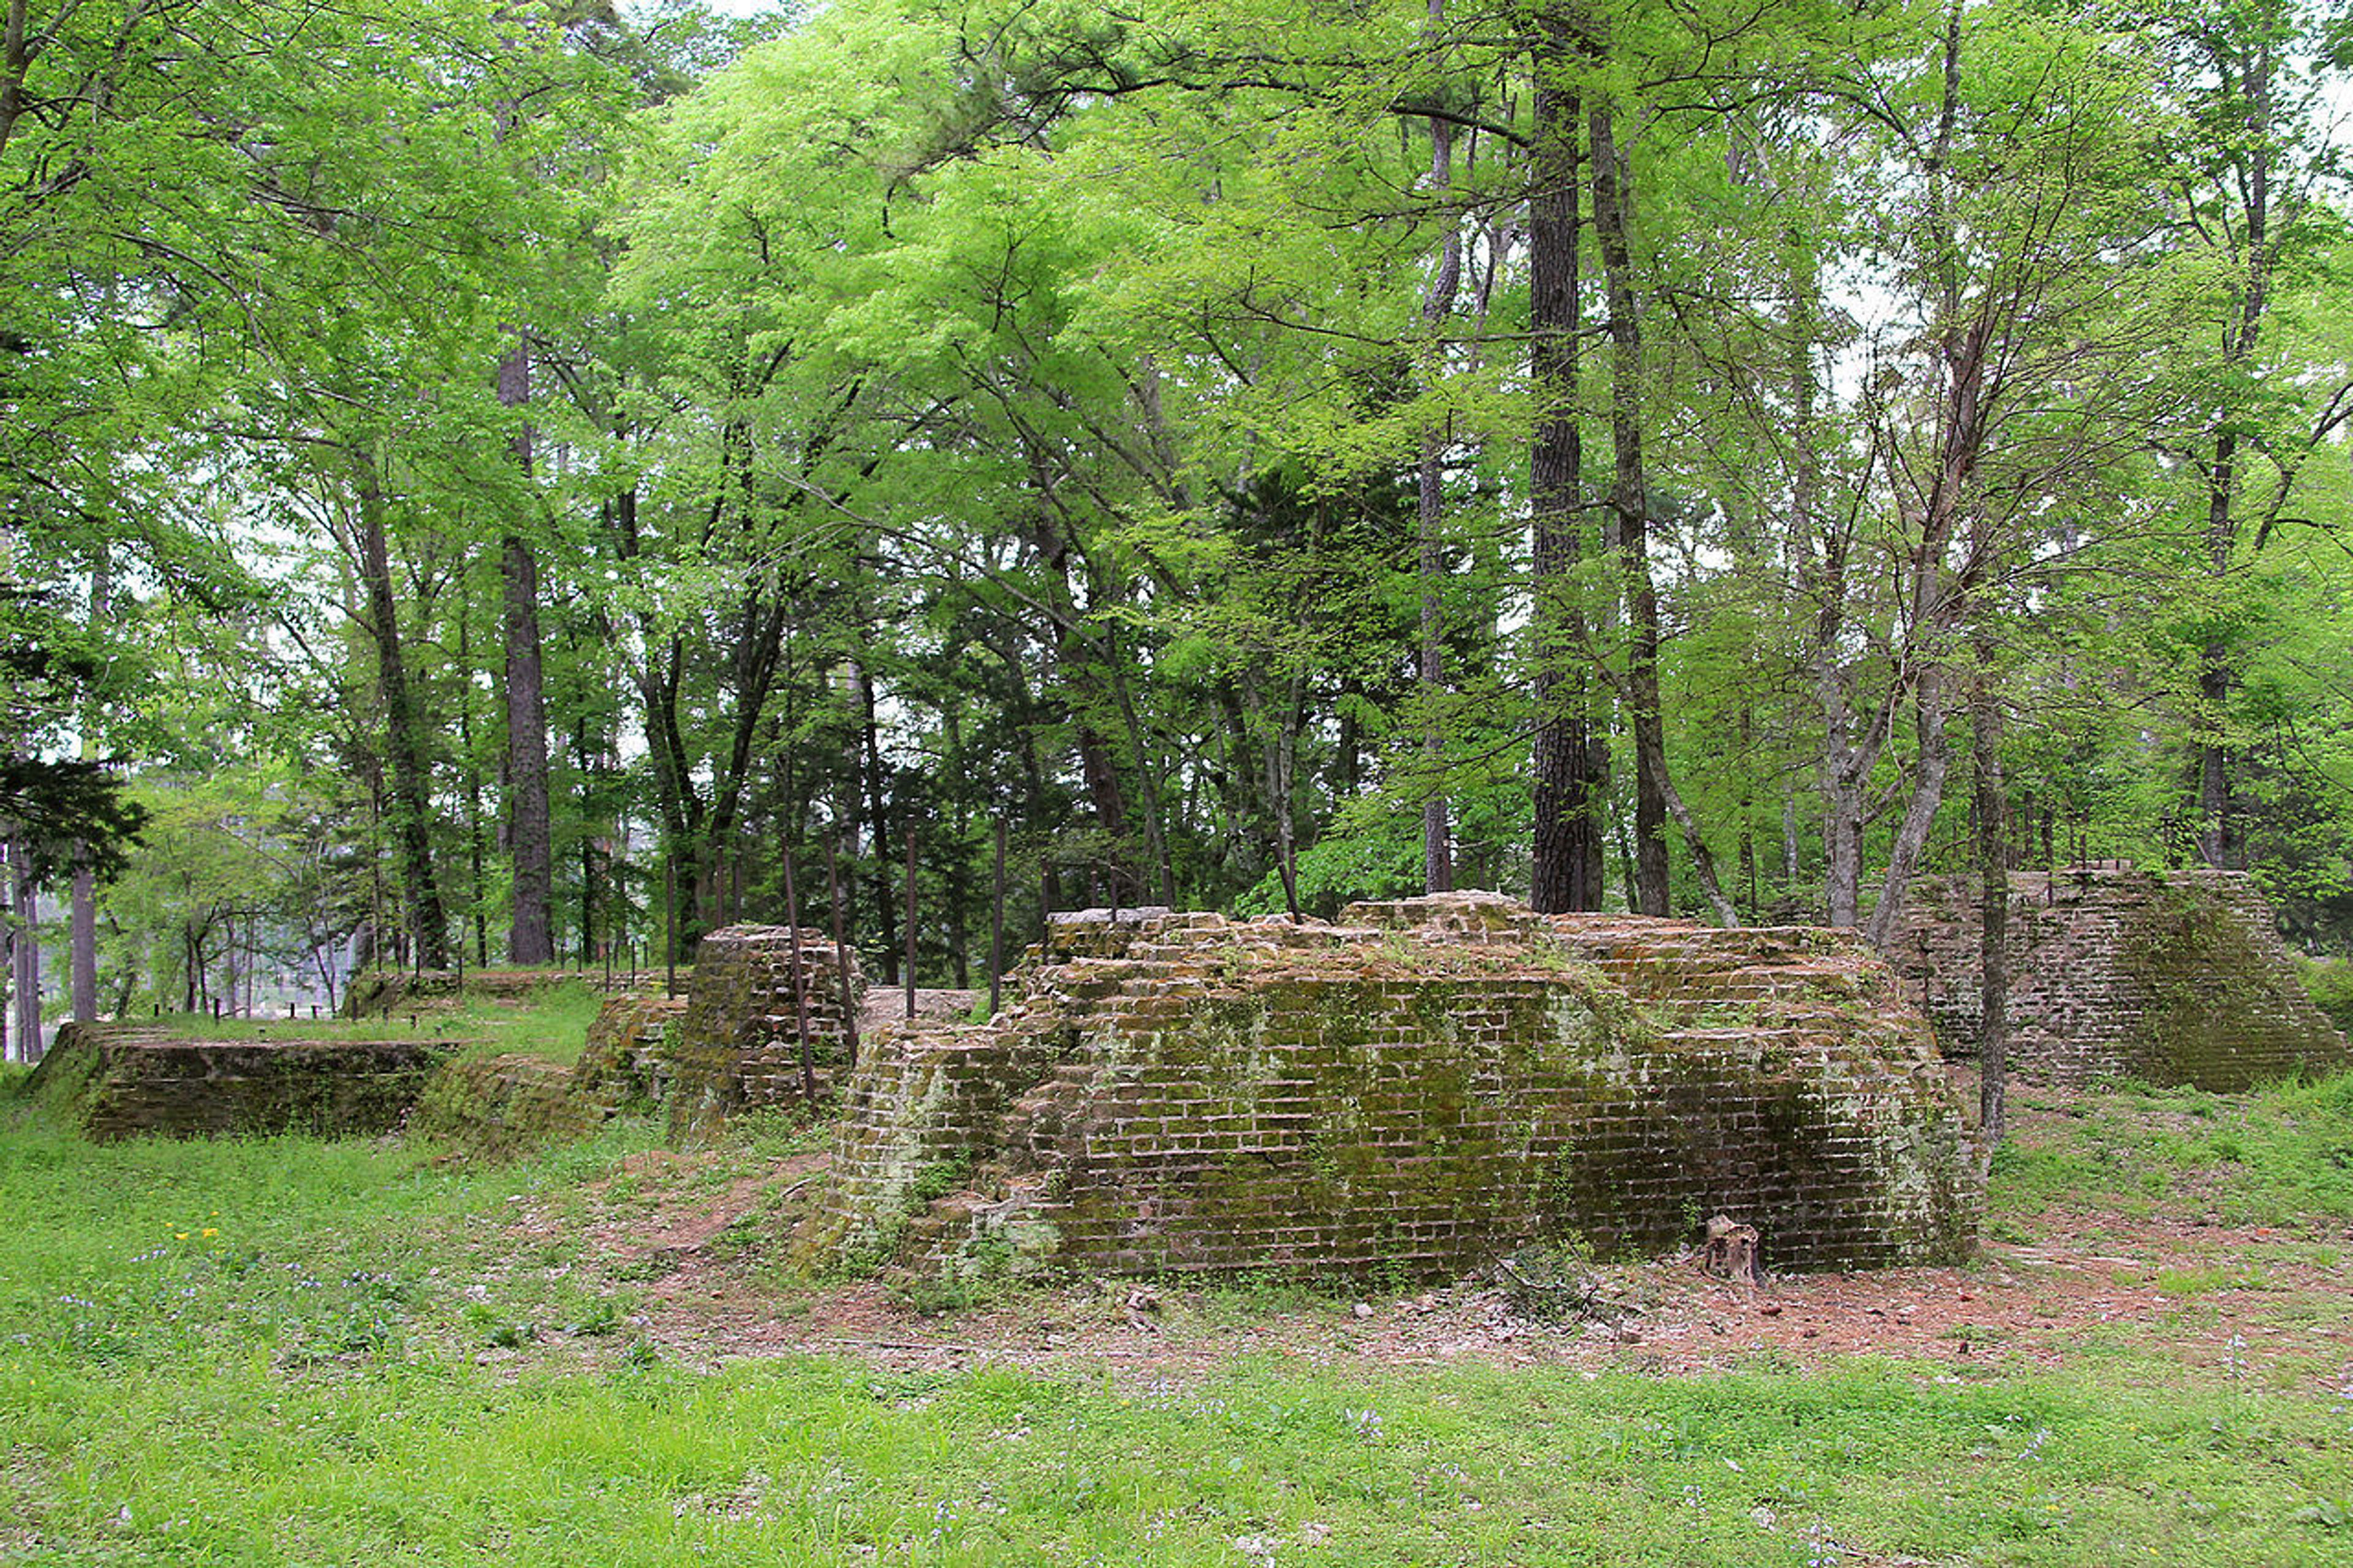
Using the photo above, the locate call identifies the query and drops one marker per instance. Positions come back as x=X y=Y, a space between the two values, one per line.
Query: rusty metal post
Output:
x=910 y=921
x=997 y=929
x=800 y=980
x=842 y=950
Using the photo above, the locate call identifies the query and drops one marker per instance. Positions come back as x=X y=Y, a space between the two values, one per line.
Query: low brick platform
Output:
x=2178 y=977
x=1410 y=1091
x=113 y=1082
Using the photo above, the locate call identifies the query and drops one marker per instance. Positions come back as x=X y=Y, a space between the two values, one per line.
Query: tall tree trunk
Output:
x=1437 y=305
x=476 y=851
x=84 y=920
x=2218 y=835
x=1571 y=759
x=530 y=935
x=26 y=949
x=1940 y=594
x=1630 y=503
x=412 y=791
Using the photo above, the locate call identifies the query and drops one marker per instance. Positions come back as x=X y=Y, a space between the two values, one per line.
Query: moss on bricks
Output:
x=1403 y=1093
x=2179 y=979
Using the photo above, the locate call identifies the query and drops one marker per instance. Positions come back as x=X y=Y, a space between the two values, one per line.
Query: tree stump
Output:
x=1730 y=1251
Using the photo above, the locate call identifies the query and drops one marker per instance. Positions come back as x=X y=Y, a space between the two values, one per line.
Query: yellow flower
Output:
x=179 y=1236
x=210 y=1230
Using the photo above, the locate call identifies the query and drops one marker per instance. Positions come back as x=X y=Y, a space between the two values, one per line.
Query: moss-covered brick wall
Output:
x=2178 y=977
x=508 y=1104
x=738 y=1044
x=1410 y=1091
x=120 y=1081
x=502 y=1105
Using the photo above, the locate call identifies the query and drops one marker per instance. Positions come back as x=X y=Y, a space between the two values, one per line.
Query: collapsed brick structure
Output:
x=506 y=1104
x=120 y=1081
x=2177 y=977
x=1409 y=1091
x=738 y=1045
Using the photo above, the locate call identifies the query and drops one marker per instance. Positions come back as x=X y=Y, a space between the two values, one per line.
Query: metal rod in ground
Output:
x=669 y=933
x=840 y=948
x=800 y=980
x=997 y=929
x=910 y=921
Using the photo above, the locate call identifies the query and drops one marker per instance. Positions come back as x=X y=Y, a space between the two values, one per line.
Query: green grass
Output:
x=2281 y=1156
x=550 y=1021
x=292 y=1352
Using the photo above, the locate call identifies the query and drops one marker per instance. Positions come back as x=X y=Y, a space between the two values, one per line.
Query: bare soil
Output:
x=2268 y=1305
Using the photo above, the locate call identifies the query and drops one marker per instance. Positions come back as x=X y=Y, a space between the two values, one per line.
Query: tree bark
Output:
x=1571 y=760
x=530 y=933
x=2218 y=834
x=412 y=790
x=83 y=935
x=1994 y=916
x=24 y=949
x=1629 y=501
x=1437 y=305
x=878 y=827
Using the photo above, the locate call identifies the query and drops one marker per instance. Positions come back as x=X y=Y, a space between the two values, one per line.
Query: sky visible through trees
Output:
x=473 y=477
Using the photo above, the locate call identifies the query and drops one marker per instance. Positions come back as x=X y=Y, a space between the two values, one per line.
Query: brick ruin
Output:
x=506 y=1104
x=2177 y=977
x=737 y=1046
x=120 y=1080
x=1408 y=1092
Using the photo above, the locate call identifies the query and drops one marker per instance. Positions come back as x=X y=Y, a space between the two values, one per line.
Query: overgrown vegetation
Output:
x=290 y=1351
x=1168 y=437
x=549 y=1020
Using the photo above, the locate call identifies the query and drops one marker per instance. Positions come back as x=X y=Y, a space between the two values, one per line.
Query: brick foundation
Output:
x=118 y=1080
x=1410 y=1091
x=2178 y=977
x=737 y=1046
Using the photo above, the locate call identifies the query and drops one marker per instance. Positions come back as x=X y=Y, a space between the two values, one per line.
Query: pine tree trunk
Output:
x=530 y=935
x=1629 y=501
x=1570 y=761
x=412 y=791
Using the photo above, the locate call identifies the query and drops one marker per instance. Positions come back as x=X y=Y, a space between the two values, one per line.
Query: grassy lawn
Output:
x=294 y=1352
x=546 y=1020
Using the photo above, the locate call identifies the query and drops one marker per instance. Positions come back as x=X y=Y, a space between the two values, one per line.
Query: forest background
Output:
x=488 y=483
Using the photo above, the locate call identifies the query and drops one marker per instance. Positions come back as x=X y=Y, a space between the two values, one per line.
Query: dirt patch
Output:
x=691 y=1235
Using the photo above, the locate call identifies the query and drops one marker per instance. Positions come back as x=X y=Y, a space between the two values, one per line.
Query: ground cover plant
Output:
x=295 y=1351
x=549 y=1019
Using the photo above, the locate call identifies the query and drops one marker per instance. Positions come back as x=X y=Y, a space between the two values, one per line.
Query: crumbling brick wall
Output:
x=1409 y=1091
x=2178 y=977
x=510 y=1103
x=737 y=1046
x=120 y=1081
